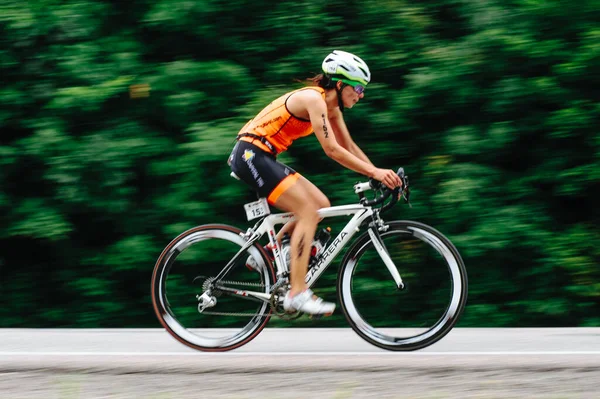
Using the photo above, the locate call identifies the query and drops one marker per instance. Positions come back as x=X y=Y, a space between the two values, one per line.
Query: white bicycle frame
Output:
x=360 y=212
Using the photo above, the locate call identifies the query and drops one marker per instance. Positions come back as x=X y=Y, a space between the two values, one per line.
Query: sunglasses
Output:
x=358 y=87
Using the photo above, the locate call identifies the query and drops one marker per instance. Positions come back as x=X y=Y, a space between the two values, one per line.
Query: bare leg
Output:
x=304 y=199
x=300 y=251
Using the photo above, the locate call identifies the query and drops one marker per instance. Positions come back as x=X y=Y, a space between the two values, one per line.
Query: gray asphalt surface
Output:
x=300 y=363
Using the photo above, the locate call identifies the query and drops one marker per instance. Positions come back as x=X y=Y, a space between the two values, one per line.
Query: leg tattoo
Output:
x=301 y=246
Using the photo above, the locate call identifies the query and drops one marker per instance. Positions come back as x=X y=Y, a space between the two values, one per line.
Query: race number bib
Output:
x=257 y=209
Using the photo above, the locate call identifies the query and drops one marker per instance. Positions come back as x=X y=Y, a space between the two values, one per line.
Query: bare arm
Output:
x=334 y=150
x=342 y=135
x=317 y=111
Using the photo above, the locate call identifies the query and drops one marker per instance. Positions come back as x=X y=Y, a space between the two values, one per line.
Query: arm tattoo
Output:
x=301 y=246
x=325 y=126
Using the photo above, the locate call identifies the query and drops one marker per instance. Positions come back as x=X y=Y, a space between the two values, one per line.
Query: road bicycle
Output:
x=402 y=285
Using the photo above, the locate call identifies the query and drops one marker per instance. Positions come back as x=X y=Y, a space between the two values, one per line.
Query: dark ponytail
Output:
x=325 y=81
x=321 y=80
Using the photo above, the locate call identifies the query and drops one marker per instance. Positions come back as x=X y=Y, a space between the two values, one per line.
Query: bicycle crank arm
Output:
x=383 y=253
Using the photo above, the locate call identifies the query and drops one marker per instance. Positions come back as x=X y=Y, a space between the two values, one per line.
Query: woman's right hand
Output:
x=387 y=177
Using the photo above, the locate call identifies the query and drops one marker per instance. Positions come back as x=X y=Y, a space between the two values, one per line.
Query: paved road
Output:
x=299 y=340
x=297 y=363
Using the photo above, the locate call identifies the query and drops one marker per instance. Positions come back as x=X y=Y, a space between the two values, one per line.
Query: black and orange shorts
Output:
x=261 y=171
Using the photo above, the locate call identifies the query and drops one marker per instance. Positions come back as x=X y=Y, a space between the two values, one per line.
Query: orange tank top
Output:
x=277 y=124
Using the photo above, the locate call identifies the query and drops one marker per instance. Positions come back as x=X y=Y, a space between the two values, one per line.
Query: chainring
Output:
x=279 y=290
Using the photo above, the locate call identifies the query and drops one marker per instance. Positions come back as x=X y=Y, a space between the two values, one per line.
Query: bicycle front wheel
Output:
x=435 y=290
x=187 y=269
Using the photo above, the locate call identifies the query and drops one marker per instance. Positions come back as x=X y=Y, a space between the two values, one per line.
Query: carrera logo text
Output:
x=326 y=255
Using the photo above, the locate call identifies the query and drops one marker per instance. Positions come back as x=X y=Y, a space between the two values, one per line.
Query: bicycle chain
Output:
x=206 y=284
x=235 y=314
x=211 y=279
x=276 y=309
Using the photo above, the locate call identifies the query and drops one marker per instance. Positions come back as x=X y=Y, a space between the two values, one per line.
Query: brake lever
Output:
x=405 y=189
x=406 y=197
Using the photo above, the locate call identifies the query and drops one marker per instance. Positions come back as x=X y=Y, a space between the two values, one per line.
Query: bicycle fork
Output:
x=383 y=253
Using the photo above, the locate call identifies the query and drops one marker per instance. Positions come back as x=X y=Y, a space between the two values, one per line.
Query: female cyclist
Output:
x=297 y=114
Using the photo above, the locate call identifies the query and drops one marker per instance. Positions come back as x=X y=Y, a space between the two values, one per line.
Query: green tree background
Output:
x=117 y=118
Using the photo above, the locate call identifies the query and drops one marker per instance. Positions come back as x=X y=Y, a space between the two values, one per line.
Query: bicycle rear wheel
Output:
x=187 y=268
x=426 y=310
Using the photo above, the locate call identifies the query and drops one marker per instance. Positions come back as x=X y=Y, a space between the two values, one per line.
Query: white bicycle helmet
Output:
x=346 y=65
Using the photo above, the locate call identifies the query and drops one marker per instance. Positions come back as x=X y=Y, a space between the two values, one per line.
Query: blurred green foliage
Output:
x=117 y=118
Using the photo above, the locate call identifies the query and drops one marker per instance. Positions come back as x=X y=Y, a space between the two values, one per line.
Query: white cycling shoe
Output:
x=306 y=302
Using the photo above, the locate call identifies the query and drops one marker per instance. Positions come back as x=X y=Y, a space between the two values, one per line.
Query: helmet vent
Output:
x=342 y=66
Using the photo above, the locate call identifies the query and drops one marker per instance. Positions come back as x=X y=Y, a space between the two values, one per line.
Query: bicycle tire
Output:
x=386 y=337
x=162 y=307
